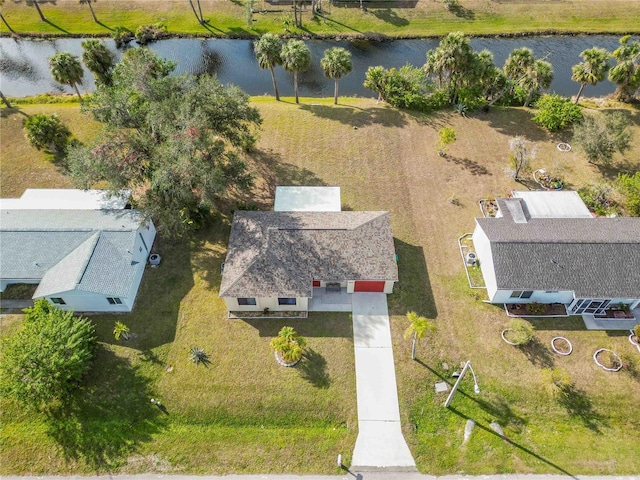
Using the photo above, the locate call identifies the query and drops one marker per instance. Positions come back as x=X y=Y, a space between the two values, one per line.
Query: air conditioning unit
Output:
x=471 y=259
x=154 y=259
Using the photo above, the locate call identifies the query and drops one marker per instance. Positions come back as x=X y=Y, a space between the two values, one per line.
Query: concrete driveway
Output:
x=380 y=444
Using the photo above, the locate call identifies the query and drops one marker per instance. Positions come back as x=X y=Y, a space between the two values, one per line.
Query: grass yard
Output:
x=393 y=19
x=243 y=413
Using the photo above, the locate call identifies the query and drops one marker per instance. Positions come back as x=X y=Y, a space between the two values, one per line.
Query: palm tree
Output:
x=296 y=57
x=88 y=2
x=374 y=80
x=289 y=345
x=267 y=50
x=66 y=69
x=626 y=73
x=98 y=59
x=5 y=100
x=525 y=70
x=419 y=327
x=336 y=63
x=121 y=330
x=452 y=62
x=593 y=70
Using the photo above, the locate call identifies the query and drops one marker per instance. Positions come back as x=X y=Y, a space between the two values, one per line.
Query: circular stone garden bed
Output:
x=608 y=360
x=561 y=346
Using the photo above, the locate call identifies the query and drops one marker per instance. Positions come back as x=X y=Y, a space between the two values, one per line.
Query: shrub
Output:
x=197 y=355
x=48 y=358
x=521 y=331
x=535 y=308
x=289 y=345
x=446 y=136
x=556 y=112
x=120 y=330
x=630 y=186
x=601 y=136
x=557 y=380
x=47 y=132
x=122 y=36
x=150 y=33
x=598 y=199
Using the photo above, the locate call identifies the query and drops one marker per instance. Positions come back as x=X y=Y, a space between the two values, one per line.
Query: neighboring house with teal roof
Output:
x=89 y=259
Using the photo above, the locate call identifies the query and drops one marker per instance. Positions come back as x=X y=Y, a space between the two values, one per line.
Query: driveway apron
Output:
x=380 y=444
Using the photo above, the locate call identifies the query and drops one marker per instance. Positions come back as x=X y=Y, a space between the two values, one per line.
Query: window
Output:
x=520 y=294
x=246 y=301
x=58 y=301
x=114 y=301
x=286 y=301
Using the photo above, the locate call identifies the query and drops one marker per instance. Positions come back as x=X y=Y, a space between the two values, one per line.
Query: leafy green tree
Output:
x=88 y=3
x=453 y=63
x=520 y=331
x=289 y=345
x=46 y=360
x=630 y=186
x=593 y=70
x=524 y=70
x=373 y=80
x=296 y=57
x=555 y=112
x=446 y=136
x=267 y=50
x=66 y=69
x=98 y=59
x=601 y=136
x=176 y=141
x=46 y=132
x=626 y=73
x=418 y=327
x=336 y=63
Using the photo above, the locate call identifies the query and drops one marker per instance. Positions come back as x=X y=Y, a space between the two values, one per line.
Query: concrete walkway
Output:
x=380 y=444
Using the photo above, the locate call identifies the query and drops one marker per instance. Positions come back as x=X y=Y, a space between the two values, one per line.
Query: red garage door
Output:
x=368 y=286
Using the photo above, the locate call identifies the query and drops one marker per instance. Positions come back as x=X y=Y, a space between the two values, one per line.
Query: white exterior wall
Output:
x=483 y=252
x=140 y=255
x=504 y=296
x=267 y=302
x=80 y=301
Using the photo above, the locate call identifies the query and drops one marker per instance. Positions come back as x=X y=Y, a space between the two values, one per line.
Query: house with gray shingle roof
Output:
x=83 y=259
x=527 y=254
x=276 y=260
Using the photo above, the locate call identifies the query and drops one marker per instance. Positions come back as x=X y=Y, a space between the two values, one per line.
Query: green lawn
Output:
x=393 y=19
x=243 y=413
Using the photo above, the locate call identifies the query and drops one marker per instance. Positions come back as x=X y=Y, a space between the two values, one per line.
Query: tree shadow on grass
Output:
x=313 y=369
x=470 y=165
x=579 y=405
x=513 y=122
x=537 y=353
x=461 y=12
x=275 y=171
x=511 y=442
x=389 y=16
x=359 y=117
x=108 y=419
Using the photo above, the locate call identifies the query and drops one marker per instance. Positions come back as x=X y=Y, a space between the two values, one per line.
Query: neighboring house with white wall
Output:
x=546 y=247
x=85 y=251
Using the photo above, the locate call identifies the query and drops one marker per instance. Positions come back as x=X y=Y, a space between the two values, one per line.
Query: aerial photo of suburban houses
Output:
x=361 y=239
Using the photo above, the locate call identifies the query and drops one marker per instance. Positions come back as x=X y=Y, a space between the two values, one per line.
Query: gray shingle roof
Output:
x=280 y=253
x=594 y=257
x=88 y=250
